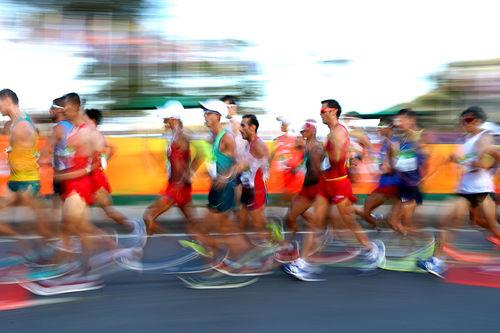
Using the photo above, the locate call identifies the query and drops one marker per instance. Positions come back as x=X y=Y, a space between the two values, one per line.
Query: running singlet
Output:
x=178 y=160
x=386 y=179
x=257 y=171
x=221 y=162
x=23 y=160
x=474 y=180
x=409 y=159
x=334 y=170
x=60 y=150
x=285 y=152
x=82 y=185
x=309 y=178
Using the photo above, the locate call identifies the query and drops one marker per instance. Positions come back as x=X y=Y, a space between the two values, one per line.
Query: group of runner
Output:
x=237 y=199
x=75 y=149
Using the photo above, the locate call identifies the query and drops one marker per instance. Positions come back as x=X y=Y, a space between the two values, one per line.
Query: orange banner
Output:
x=138 y=168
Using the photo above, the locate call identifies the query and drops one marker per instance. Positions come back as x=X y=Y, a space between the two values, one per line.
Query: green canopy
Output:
x=153 y=102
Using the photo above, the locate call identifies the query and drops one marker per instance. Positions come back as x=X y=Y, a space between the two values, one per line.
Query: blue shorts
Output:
x=221 y=199
x=23 y=186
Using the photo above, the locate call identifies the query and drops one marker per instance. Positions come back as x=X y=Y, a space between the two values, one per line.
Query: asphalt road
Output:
x=346 y=302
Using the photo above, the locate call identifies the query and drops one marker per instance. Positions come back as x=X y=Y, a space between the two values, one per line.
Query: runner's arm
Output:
x=487 y=155
x=48 y=150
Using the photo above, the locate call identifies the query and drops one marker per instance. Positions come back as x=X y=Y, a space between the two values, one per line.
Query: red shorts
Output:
x=309 y=192
x=180 y=194
x=336 y=190
x=99 y=180
x=81 y=185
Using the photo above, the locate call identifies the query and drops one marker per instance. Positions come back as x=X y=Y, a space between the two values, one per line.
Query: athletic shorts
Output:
x=99 y=180
x=309 y=191
x=23 y=186
x=336 y=191
x=57 y=187
x=388 y=185
x=476 y=198
x=180 y=194
x=409 y=193
x=81 y=185
x=388 y=191
x=221 y=199
x=253 y=198
x=237 y=180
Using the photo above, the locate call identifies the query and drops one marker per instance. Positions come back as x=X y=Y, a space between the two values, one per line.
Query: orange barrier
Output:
x=138 y=168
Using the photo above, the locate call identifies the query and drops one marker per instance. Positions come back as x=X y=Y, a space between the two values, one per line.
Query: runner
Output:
x=286 y=158
x=54 y=151
x=387 y=188
x=475 y=188
x=255 y=170
x=335 y=188
x=180 y=168
x=77 y=189
x=101 y=189
x=410 y=166
x=360 y=151
x=24 y=180
x=234 y=128
x=223 y=171
x=313 y=156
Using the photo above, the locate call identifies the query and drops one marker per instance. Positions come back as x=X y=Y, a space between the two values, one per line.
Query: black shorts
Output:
x=409 y=193
x=475 y=199
x=57 y=188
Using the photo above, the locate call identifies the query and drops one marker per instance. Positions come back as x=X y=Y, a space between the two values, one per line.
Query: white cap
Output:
x=215 y=106
x=309 y=123
x=283 y=120
x=171 y=109
x=493 y=128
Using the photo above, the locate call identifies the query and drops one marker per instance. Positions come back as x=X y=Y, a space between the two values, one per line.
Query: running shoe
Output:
x=66 y=284
x=305 y=266
x=294 y=270
x=375 y=257
x=216 y=282
x=139 y=234
x=493 y=239
x=377 y=216
x=198 y=248
x=75 y=246
x=287 y=253
x=433 y=265
x=276 y=231
x=257 y=267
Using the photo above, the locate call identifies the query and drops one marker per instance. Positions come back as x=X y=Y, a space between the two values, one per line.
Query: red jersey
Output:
x=178 y=160
x=337 y=169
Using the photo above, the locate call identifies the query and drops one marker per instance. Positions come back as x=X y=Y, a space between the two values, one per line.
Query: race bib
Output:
x=325 y=164
x=407 y=162
x=212 y=170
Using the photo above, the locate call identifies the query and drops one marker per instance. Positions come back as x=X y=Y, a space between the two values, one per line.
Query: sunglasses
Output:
x=467 y=120
x=327 y=109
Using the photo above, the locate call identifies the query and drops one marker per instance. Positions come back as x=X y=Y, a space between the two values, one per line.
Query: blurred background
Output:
x=129 y=57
